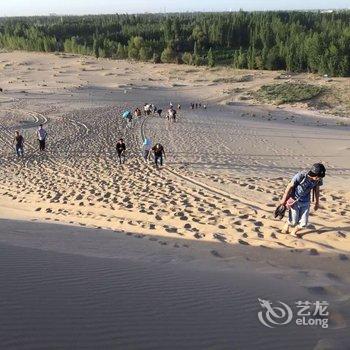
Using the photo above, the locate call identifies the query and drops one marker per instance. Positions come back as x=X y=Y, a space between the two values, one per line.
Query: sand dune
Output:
x=206 y=216
x=69 y=287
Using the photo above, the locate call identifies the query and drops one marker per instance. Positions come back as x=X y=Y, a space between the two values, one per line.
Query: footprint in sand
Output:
x=220 y=237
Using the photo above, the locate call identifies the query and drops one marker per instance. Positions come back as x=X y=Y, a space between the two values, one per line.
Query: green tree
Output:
x=187 y=58
x=210 y=58
x=168 y=55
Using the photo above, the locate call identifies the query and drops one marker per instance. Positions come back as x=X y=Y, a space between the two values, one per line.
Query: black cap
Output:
x=318 y=169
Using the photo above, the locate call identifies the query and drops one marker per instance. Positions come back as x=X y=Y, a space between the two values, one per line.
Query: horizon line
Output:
x=174 y=12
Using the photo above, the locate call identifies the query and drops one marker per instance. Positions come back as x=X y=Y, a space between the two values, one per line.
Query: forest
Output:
x=295 y=41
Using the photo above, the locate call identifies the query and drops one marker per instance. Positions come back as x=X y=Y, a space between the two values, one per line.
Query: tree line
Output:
x=295 y=41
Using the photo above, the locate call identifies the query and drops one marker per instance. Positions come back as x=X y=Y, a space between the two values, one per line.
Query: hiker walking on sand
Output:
x=158 y=151
x=137 y=112
x=146 y=147
x=42 y=135
x=173 y=115
x=297 y=197
x=121 y=149
x=19 y=144
x=128 y=116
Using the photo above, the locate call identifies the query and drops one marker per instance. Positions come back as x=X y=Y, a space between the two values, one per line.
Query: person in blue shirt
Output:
x=297 y=197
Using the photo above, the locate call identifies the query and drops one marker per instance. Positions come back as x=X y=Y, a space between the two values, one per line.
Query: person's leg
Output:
x=156 y=160
x=18 y=151
x=304 y=211
x=161 y=160
x=285 y=228
x=293 y=218
x=120 y=158
x=44 y=144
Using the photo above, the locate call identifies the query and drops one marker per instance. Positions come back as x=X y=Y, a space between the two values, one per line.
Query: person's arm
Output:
x=287 y=193
x=317 y=198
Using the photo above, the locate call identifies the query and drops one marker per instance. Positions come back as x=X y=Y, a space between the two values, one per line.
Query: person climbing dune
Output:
x=19 y=144
x=159 y=153
x=121 y=149
x=297 y=197
x=42 y=135
x=146 y=148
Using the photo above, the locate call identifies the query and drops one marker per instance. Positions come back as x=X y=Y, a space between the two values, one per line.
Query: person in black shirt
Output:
x=158 y=151
x=19 y=143
x=121 y=151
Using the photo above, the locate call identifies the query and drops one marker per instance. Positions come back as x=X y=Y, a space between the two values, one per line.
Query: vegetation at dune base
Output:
x=295 y=41
x=288 y=92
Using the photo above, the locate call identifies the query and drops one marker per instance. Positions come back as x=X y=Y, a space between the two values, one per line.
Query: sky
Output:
x=45 y=7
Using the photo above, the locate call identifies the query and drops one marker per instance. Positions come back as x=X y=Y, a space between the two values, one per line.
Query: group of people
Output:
x=19 y=141
x=195 y=105
x=304 y=186
x=147 y=150
x=151 y=109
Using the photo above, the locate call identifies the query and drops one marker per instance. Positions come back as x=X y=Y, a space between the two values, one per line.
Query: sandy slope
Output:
x=225 y=171
x=67 y=287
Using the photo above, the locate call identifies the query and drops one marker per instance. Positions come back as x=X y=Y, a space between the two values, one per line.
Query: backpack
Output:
x=304 y=174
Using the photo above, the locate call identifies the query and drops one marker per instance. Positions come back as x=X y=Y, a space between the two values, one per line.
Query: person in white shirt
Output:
x=147 y=146
x=41 y=134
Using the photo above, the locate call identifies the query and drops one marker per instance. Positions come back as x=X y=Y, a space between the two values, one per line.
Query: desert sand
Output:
x=207 y=245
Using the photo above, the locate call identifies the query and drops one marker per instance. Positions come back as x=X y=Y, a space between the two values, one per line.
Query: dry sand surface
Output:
x=207 y=246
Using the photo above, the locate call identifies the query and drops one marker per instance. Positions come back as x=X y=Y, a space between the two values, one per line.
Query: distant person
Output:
x=170 y=114
x=146 y=147
x=155 y=109
x=137 y=112
x=42 y=135
x=171 y=105
x=205 y=106
x=199 y=105
x=297 y=197
x=158 y=151
x=147 y=109
x=121 y=149
x=178 y=106
x=192 y=105
x=159 y=111
x=128 y=117
x=173 y=115
x=196 y=105
x=19 y=144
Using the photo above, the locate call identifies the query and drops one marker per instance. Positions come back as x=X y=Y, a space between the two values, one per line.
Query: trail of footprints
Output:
x=79 y=178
